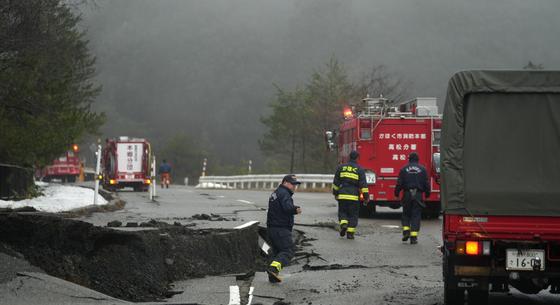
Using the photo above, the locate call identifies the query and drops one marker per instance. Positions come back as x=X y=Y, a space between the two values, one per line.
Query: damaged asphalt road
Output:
x=185 y=223
x=131 y=265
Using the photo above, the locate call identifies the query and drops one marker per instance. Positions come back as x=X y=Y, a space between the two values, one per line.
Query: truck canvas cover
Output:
x=500 y=148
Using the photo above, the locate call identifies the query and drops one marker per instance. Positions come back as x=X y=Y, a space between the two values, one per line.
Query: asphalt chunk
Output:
x=135 y=266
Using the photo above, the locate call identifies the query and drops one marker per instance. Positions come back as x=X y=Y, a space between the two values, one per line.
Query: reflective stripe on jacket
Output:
x=349 y=181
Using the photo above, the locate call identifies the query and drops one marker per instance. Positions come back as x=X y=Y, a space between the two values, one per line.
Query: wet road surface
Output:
x=375 y=268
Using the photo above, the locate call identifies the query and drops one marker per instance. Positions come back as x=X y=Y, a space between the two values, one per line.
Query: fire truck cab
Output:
x=385 y=135
x=126 y=162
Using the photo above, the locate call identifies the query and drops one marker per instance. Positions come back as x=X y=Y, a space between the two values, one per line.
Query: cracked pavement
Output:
x=375 y=268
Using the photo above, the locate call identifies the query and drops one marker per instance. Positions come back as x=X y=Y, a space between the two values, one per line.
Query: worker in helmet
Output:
x=349 y=181
x=413 y=180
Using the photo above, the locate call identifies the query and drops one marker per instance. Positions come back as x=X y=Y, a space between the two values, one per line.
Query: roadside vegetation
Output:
x=46 y=86
x=295 y=128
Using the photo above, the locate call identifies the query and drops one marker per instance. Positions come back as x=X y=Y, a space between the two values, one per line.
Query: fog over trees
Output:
x=208 y=70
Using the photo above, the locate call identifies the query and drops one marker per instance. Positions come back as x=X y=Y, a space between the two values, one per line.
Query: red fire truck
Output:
x=126 y=162
x=385 y=136
x=501 y=184
x=66 y=168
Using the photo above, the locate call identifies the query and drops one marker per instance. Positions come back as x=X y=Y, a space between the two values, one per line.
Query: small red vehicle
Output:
x=66 y=168
x=501 y=184
x=385 y=136
x=126 y=162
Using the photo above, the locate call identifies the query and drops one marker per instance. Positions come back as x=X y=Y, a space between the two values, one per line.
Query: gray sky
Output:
x=208 y=67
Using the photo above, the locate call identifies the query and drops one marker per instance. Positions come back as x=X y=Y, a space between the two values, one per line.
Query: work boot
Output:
x=413 y=240
x=343 y=229
x=406 y=235
x=273 y=276
x=350 y=235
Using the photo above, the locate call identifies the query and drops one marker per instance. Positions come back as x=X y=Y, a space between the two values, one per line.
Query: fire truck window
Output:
x=365 y=134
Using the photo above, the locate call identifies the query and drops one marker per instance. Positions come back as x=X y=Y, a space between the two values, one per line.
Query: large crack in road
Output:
x=137 y=265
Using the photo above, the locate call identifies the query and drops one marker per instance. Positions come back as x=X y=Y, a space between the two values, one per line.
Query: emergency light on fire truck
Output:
x=347 y=113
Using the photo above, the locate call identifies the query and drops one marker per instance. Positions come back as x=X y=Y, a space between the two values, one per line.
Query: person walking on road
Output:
x=165 y=173
x=279 y=223
x=413 y=180
x=349 y=181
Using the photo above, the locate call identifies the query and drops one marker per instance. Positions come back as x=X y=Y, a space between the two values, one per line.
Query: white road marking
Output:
x=391 y=226
x=250 y=295
x=244 y=201
x=250 y=223
x=234 y=297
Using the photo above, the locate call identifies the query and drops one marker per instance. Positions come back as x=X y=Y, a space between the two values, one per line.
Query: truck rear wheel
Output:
x=477 y=297
x=453 y=296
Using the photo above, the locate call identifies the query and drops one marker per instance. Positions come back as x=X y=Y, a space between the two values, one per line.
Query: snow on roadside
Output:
x=211 y=185
x=57 y=198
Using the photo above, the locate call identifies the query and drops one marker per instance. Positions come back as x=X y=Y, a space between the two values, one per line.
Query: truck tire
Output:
x=477 y=297
x=453 y=296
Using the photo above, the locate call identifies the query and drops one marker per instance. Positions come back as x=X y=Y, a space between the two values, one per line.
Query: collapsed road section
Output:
x=135 y=265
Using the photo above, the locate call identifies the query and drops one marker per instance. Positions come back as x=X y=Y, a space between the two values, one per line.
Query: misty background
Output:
x=202 y=73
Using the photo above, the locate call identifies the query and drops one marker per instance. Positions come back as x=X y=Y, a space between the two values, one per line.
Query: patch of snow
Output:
x=57 y=198
x=211 y=185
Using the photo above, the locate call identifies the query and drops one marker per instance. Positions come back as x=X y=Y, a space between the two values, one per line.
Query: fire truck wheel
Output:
x=71 y=179
x=477 y=297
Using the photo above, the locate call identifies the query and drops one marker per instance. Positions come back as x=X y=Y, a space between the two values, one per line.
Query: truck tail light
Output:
x=472 y=247
x=112 y=181
x=147 y=181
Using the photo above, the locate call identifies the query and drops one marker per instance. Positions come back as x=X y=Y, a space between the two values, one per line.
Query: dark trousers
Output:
x=412 y=212
x=348 y=211
x=282 y=246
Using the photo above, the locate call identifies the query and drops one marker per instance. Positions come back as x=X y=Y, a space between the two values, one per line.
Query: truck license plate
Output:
x=524 y=259
x=129 y=177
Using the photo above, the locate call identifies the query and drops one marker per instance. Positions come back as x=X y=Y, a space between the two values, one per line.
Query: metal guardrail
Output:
x=308 y=181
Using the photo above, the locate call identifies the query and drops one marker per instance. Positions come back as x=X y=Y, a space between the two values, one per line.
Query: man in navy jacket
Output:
x=413 y=180
x=279 y=222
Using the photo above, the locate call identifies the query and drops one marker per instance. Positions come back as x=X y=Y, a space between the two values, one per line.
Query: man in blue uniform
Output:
x=349 y=181
x=279 y=222
x=413 y=180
